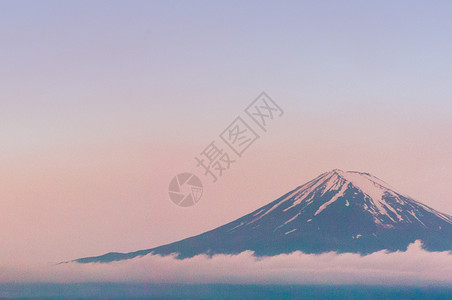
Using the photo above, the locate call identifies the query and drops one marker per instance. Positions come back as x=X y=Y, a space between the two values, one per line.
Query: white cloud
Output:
x=413 y=267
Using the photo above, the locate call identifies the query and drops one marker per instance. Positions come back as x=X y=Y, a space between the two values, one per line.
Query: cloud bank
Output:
x=412 y=267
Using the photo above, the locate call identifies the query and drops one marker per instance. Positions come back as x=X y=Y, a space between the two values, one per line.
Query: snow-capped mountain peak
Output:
x=353 y=189
x=372 y=187
x=343 y=211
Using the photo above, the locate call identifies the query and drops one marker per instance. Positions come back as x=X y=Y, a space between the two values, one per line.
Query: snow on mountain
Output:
x=337 y=211
x=381 y=200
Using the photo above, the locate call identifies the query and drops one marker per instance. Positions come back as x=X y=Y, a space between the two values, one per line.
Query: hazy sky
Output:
x=103 y=102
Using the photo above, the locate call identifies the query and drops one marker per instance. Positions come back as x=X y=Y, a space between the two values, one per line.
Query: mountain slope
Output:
x=337 y=211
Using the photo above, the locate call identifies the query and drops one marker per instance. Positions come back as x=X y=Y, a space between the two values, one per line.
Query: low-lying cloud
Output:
x=412 y=267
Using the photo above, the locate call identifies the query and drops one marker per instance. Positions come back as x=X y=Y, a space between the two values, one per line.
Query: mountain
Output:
x=337 y=211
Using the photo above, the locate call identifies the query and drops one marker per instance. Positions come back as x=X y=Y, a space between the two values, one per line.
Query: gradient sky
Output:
x=103 y=102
